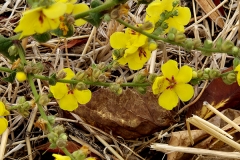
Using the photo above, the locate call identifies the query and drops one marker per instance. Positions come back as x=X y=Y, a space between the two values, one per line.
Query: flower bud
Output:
x=61 y=143
x=43 y=100
x=101 y=65
x=152 y=77
x=197 y=43
x=152 y=45
x=139 y=78
x=13 y=51
x=173 y=30
x=236 y=62
x=227 y=46
x=205 y=76
x=219 y=43
x=171 y=36
x=59 y=129
x=21 y=76
x=214 y=73
x=235 y=51
x=116 y=88
x=231 y=77
x=194 y=74
x=226 y=81
x=199 y=73
x=115 y=13
x=96 y=72
x=62 y=74
x=118 y=53
x=52 y=137
x=175 y=3
x=207 y=70
x=80 y=76
x=141 y=90
x=146 y=25
x=180 y=37
x=51 y=119
x=102 y=78
x=106 y=18
x=21 y=100
x=189 y=44
x=81 y=86
x=37 y=68
x=208 y=44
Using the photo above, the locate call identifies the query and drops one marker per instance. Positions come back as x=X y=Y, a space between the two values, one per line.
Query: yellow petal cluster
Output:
x=60 y=157
x=137 y=48
x=238 y=74
x=172 y=85
x=3 y=121
x=157 y=7
x=40 y=19
x=75 y=9
x=68 y=97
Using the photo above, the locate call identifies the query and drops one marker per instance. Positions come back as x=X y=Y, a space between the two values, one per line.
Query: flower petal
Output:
x=69 y=72
x=3 y=111
x=238 y=78
x=184 y=91
x=118 y=40
x=3 y=124
x=59 y=90
x=184 y=15
x=55 y=11
x=157 y=84
x=68 y=102
x=60 y=157
x=168 y=99
x=184 y=74
x=79 y=8
x=237 y=68
x=170 y=69
x=83 y=96
x=27 y=22
x=173 y=24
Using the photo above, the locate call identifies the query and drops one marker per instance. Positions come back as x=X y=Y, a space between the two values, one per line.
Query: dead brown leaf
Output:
x=207 y=6
x=129 y=115
x=219 y=95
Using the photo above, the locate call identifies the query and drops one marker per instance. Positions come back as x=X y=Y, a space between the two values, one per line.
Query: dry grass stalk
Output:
x=167 y=148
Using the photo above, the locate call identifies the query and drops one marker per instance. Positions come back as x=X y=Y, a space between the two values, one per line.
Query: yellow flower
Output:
x=238 y=74
x=3 y=121
x=60 y=157
x=138 y=49
x=21 y=76
x=172 y=85
x=41 y=19
x=67 y=96
x=157 y=7
x=75 y=9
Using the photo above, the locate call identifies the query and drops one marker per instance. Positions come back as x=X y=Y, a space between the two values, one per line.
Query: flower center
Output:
x=172 y=82
x=70 y=90
x=142 y=53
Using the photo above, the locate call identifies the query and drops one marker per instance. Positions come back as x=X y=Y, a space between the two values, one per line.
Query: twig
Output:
x=167 y=148
x=3 y=143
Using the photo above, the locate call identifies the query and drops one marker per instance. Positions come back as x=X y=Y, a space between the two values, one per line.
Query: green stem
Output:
x=164 y=39
x=67 y=153
x=105 y=6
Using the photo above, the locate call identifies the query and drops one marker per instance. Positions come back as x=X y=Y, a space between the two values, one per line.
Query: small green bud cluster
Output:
x=43 y=100
x=23 y=106
x=206 y=74
x=58 y=137
x=176 y=36
x=116 y=88
x=229 y=78
x=34 y=68
x=141 y=77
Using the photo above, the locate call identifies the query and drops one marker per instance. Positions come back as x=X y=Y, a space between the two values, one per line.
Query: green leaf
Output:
x=95 y=19
x=10 y=78
x=53 y=80
x=5 y=43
